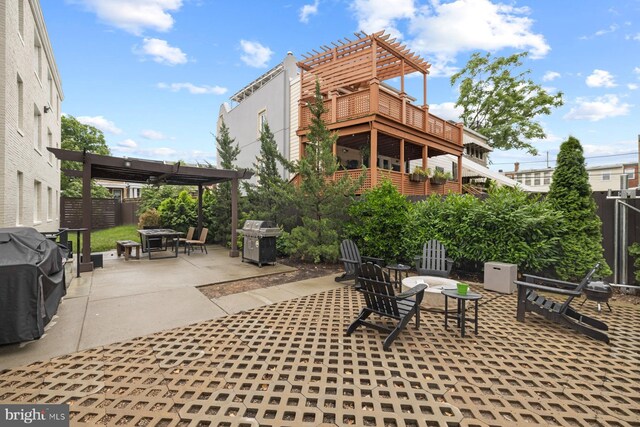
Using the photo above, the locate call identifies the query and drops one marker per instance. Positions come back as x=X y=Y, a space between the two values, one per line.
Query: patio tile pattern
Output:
x=290 y=364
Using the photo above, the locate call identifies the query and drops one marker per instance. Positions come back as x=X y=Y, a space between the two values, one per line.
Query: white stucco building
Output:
x=30 y=97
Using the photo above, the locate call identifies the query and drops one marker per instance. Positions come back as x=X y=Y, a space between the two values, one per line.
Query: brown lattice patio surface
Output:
x=290 y=364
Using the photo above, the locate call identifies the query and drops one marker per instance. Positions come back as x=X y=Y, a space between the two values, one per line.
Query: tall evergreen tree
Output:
x=570 y=193
x=271 y=197
x=227 y=153
x=323 y=202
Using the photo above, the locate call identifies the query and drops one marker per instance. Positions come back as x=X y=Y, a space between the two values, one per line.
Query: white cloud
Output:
x=160 y=51
x=550 y=75
x=632 y=86
x=599 y=108
x=376 y=15
x=635 y=37
x=127 y=143
x=446 y=110
x=255 y=54
x=134 y=16
x=600 y=78
x=101 y=123
x=193 y=89
x=153 y=135
x=307 y=10
x=599 y=33
x=442 y=30
x=636 y=70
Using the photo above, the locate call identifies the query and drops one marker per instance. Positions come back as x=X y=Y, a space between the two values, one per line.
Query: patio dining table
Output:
x=167 y=238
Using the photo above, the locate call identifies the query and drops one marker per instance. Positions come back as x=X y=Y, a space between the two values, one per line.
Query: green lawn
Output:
x=105 y=240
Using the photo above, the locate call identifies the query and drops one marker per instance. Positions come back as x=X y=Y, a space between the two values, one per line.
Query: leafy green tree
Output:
x=79 y=137
x=151 y=196
x=502 y=103
x=323 y=201
x=228 y=152
x=179 y=213
x=570 y=193
x=378 y=220
x=271 y=197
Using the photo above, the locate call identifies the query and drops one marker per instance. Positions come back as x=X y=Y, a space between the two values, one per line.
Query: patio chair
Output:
x=200 y=242
x=183 y=240
x=434 y=260
x=560 y=312
x=350 y=256
x=377 y=288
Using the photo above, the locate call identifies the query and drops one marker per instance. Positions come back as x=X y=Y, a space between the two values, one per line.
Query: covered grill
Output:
x=32 y=283
x=259 y=244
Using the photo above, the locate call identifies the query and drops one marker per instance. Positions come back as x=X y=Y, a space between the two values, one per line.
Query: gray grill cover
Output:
x=32 y=283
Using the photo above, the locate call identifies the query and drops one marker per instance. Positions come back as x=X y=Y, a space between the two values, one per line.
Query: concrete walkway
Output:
x=128 y=299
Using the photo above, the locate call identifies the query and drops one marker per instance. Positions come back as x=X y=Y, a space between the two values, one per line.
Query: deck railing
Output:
x=358 y=104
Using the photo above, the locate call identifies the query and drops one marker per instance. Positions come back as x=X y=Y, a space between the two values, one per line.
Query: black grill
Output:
x=259 y=243
x=599 y=292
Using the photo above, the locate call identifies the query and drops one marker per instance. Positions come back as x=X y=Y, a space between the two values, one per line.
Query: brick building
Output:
x=30 y=97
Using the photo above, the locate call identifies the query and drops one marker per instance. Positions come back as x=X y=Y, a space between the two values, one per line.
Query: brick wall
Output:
x=18 y=149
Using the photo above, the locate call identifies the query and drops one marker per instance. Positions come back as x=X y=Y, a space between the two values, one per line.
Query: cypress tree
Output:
x=570 y=193
x=228 y=154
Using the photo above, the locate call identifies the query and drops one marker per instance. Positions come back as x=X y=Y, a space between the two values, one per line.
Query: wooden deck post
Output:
x=334 y=107
x=402 y=169
x=374 y=95
x=425 y=153
x=425 y=118
x=373 y=159
x=460 y=173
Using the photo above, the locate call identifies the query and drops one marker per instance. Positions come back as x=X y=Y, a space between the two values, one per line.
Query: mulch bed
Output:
x=304 y=271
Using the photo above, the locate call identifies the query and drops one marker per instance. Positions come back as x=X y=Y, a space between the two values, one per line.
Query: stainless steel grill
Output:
x=259 y=243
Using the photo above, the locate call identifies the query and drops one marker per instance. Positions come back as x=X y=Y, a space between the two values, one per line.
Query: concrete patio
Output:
x=289 y=363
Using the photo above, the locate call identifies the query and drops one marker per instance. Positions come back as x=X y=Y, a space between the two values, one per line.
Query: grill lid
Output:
x=257 y=228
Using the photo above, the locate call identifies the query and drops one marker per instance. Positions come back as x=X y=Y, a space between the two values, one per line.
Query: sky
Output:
x=152 y=74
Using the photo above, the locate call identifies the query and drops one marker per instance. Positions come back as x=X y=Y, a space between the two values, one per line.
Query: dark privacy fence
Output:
x=106 y=213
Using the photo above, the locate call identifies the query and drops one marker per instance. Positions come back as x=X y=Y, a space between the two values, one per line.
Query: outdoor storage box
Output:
x=499 y=277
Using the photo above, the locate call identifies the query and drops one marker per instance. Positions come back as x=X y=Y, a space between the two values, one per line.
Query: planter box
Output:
x=438 y=181
x=416 y=177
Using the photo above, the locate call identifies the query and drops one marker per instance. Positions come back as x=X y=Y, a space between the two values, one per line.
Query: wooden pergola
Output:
x=367 y=112
x=150 y=172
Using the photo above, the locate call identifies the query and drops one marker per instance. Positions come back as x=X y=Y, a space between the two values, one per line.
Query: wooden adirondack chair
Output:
x=559 y=312
x=434 y=260
x=380 y=299
x=350 y=256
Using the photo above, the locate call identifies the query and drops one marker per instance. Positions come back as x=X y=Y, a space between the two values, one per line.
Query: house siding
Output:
x=17 y=147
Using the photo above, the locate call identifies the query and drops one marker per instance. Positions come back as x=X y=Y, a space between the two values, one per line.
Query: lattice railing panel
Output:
x=390 y=106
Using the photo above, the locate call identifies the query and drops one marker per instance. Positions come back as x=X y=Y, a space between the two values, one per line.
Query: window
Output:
x=37 y=201
x=606 y=176
x=262 y=120
x=20 y=103
x=50 y=144
x=547 y=178
x=536 y=178
x=37 y=56
x=37 y=129
x=21 y=18
x=50 y=84
x=49 y=203
x=527 y=180
x=20 y=210
x=631 y=172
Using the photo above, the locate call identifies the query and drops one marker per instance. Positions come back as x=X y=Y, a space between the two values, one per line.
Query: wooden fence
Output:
x=106 y=213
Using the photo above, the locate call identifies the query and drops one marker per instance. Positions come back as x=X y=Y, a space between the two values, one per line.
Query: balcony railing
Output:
x=359 y=104
x=401 y=181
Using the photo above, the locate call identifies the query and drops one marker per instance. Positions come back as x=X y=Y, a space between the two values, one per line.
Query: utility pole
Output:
x=548 y=154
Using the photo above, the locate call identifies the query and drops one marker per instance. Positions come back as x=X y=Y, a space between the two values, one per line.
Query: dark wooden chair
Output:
x=434 y=260
x=560 y=312
x=377 y=288
x=350 y=256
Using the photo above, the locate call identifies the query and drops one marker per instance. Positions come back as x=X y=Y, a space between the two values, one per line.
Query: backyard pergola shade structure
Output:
x=150 y=172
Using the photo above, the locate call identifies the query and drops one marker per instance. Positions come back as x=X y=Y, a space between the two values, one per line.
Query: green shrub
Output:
x=179 y=213
x=284 y=247
x=634 y=251
x=315 y=241
x=509 y=226
x=149 y=218
x=378 y=220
